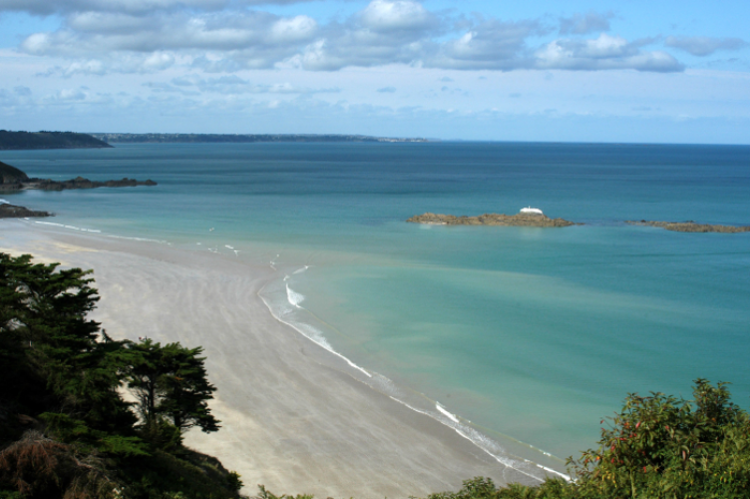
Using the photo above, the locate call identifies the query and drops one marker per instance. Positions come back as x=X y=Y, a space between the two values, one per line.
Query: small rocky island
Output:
x=502 y=220
x=691 y=226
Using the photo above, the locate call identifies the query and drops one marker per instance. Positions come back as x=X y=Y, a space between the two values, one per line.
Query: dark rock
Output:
x=519 y=220
x=691 y=226
x=13 y=179
x=11 y=211
x=11 y=174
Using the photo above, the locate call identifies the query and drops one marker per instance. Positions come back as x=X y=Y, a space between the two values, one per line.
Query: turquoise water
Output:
x=533 y=334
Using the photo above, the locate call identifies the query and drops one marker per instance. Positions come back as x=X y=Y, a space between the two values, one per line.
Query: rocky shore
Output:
x=76 y=183
x=13 y=180
x=11 y=211
x=691 y=226
x=519 y=220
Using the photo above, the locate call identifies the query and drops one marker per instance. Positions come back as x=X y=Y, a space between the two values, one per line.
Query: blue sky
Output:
x=627 y=71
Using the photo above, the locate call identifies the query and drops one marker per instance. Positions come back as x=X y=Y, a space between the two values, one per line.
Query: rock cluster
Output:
x=12 y=184
x=691 y=226
x=519 y=220
x=11 y=211
x=82 y=183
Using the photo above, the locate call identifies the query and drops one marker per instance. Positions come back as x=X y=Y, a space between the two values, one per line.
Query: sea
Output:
x=522 y=339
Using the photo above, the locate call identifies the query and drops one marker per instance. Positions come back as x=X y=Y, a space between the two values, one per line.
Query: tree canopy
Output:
x=65 y=429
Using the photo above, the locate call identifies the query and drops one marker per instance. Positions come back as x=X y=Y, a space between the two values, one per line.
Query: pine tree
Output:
x=170 y=382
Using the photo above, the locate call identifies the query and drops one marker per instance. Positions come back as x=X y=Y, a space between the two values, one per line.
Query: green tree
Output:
x=171 y=383
x=60 y=360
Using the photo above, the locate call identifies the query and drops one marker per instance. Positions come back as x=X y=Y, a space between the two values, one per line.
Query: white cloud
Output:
x=489 y=45
x=604 y=52
x=385 y=16
x=230 y=85
x=704 y=45
x=158 y=61
x=384 y=32
x=46 y=7
x=296 y=29
x=117 y=63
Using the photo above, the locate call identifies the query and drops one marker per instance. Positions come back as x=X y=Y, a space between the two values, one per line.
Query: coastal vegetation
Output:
x=657 y=447
x=48 y=140
x=65 y=428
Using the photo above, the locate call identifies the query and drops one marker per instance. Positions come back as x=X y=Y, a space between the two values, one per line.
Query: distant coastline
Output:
x=140 y=138
x=10 y=141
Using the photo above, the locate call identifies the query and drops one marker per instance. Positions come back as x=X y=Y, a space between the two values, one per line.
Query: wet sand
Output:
x=293 y=419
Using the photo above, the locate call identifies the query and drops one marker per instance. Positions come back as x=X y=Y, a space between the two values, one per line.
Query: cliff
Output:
x=519 y=220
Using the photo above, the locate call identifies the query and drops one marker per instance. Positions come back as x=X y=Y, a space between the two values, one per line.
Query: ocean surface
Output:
x=522 y=339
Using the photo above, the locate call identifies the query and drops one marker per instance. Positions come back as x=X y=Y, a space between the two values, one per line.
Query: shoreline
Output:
x=293 y=420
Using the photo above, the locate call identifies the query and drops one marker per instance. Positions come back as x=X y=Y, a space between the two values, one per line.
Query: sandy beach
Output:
x=291 y=419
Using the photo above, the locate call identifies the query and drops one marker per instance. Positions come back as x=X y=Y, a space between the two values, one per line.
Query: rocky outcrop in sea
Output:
x=502 y=220
x=11 y=211
x=691 y=226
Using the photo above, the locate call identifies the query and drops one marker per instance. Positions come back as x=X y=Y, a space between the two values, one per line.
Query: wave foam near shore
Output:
x=386 y=386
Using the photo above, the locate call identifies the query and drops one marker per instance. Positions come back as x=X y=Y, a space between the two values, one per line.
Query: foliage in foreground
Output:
x=657 y=447
x=65 y=430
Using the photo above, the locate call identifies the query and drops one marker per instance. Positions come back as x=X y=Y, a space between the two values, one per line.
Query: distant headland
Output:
x=48 y=140
x=140 y=138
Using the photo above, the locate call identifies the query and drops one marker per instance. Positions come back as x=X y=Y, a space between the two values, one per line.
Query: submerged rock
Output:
x=519 y=220
x=691 y=226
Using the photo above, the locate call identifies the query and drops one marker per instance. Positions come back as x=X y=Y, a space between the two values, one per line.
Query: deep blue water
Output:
x=533 y=334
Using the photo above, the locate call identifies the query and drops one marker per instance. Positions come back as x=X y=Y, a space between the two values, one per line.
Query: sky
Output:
x=575 y=71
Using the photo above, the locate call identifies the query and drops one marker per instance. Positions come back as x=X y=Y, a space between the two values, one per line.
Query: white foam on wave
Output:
x=4 y=201
x=140 y=239
x=294 y=298
x=229 y=247
x=482 y=441
x=442 y=415
x=70 y=227
x=450 y=416
x=299 y=271
x=307 y=330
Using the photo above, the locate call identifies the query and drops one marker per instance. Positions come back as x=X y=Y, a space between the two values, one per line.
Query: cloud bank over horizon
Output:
x=204 y=51
x=228 y=36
